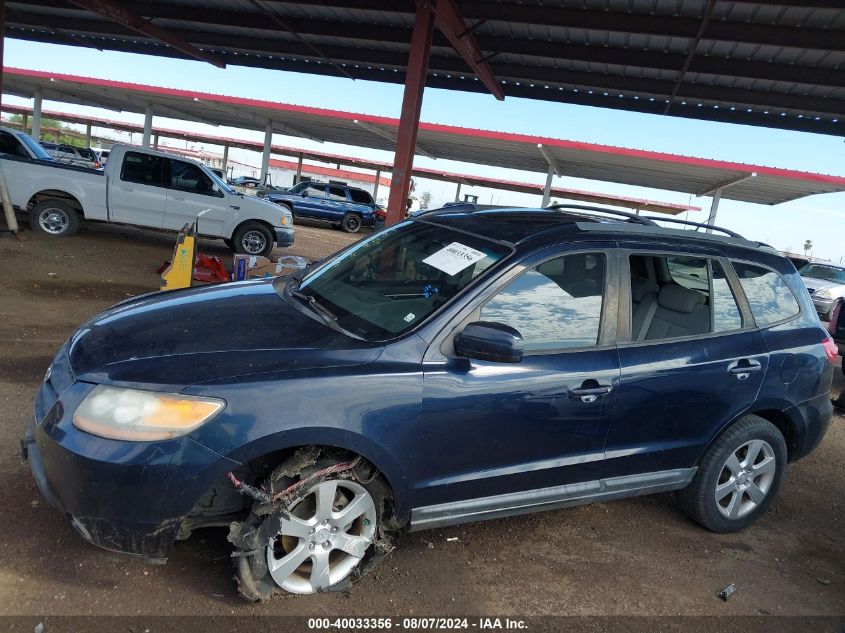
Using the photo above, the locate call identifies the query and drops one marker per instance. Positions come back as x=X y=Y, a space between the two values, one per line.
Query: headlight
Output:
x=823 y=294
x=142 y=416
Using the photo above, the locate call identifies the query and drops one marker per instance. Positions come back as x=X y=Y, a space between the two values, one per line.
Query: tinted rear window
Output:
x=360 y=197
x=769 y=296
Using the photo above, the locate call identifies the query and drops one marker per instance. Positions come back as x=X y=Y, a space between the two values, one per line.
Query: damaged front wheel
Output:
x=315 y=540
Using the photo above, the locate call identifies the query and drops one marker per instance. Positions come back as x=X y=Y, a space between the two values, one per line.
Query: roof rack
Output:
x=632 y=217
x=699 y=225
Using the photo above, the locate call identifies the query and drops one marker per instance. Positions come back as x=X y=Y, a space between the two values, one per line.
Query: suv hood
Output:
x=823 y=284
x=169 y=340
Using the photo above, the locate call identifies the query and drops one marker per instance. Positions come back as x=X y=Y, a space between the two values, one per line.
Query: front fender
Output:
x=249 y=208
x=338 y=438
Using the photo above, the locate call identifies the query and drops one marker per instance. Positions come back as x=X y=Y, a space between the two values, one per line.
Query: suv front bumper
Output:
x=126 y=497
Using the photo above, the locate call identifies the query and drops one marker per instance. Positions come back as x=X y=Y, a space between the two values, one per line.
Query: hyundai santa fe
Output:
x=459 y=366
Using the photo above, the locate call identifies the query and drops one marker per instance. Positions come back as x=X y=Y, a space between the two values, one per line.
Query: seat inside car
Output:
x=680 y=312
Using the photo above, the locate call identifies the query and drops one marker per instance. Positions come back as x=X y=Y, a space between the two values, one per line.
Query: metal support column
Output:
x=5 y=200
x=148 y=125
x=375 y=186
x=406 y=139
x=225 y=164
x=714 y=207
x=265 y=156
x=458 y=191
x=547 y=189
x=36 y=116
x=155 y=142
x=299 y=170
x=24 y=122
x=87 y=135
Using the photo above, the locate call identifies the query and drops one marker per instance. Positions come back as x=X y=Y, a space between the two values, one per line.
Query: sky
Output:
x=820 y=218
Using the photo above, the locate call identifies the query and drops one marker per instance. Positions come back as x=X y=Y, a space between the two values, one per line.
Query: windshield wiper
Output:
x=311 y=300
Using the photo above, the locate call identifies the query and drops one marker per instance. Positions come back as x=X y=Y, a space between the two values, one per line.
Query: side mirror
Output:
x=304 y=193
x=485 y=340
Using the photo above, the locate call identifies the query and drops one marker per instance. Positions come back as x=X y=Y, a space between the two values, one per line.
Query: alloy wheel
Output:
x=323 y=538
x=254 y=242
x=745 y=479
x=53 y=221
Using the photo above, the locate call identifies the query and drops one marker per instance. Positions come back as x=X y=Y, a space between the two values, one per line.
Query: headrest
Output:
x=679 y=299
x=641 y=287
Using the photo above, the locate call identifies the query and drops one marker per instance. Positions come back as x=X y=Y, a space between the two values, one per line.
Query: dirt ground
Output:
x=635 y=557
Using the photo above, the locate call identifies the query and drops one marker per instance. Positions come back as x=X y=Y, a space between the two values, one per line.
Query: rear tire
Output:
x=739 y=476
x=311 y=550
x=253 y=238
x=55 y=218
x=351 y=223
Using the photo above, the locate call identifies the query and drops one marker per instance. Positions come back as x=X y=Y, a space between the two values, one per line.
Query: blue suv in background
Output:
x=347 y=207
x=456 y=367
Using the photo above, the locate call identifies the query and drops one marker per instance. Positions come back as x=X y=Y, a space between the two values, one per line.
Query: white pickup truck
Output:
x=141 y=187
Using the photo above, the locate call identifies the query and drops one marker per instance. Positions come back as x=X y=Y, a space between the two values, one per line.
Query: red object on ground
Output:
x=209 y=270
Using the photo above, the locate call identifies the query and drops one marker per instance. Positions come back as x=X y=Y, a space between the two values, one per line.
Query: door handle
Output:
x=235 y=207
x=178 y=197
x=590 y=394
x=125 y=188
x=743 y=368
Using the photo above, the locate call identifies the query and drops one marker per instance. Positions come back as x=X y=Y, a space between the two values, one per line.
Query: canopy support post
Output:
x=265 y=155
x=87 y=135
x=714 y=208
x=458 y=191
x=148 y=125
x=225 y=162
x=36 y=116
x=298 y=170
x=406 y=139
x=375 y=186
x=547 y=189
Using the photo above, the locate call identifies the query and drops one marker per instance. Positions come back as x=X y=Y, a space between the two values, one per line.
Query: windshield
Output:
x=820 y=271
x=39 y=152
x=394 y=280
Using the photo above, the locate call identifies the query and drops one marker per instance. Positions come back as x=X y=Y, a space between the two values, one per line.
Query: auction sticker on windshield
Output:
x=453 y=258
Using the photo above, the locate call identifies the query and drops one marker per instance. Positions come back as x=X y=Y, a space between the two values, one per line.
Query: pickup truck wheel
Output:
x=253 y=239
x=54 y=217
x=738 y=477
x=351 y=223
x=322 y=535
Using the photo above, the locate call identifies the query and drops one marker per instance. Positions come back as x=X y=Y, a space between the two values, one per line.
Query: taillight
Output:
x=380 y=215
x=830 y=349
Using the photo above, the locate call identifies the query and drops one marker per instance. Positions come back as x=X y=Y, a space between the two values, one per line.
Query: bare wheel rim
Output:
x=745 y=479
x=54 y=221
x=353 y=223
x=254 y=242
x=323 y=538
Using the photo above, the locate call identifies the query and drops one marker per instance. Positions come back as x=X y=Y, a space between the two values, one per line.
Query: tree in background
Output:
x=808 y=246
x=66 y=133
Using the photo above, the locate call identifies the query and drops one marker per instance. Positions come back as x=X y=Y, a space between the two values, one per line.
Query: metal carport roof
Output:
x=698 y=176
x=593 y=197
x=761 y=62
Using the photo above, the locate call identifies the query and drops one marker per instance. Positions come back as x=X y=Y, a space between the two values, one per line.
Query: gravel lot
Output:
x=635 y=557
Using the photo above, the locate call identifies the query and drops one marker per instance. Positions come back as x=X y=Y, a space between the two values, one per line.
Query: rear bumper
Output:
x=284 y=236
x=126 y=497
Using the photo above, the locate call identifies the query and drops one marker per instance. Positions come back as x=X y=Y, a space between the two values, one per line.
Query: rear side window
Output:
x=360 y=197
x=144 y=169
x=555 y=305
x=726 y=314
x=769 y=296
x=337 y=194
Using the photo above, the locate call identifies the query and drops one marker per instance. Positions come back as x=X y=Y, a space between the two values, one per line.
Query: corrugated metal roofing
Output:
x=772 y=63
x=657 y=170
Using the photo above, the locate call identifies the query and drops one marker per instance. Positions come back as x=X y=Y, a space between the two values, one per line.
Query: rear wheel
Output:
x=54 y=217
x=351 y=223
x=253 y=238
x=739 y=476
x=325 y=535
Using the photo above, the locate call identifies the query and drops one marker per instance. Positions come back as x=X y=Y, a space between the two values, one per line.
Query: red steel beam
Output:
x=117 y=12
x=409 y=120
x=451 y=23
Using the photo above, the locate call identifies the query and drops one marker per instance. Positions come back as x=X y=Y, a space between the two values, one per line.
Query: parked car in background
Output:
x=349 y=208
x=245 y=181
x=836 y=327
x=80 y=156
x=457 y=367
x=826 y=284
x=139 y=186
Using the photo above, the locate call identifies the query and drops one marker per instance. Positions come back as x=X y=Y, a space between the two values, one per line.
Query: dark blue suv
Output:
x=456 y=367
x=347 y=207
